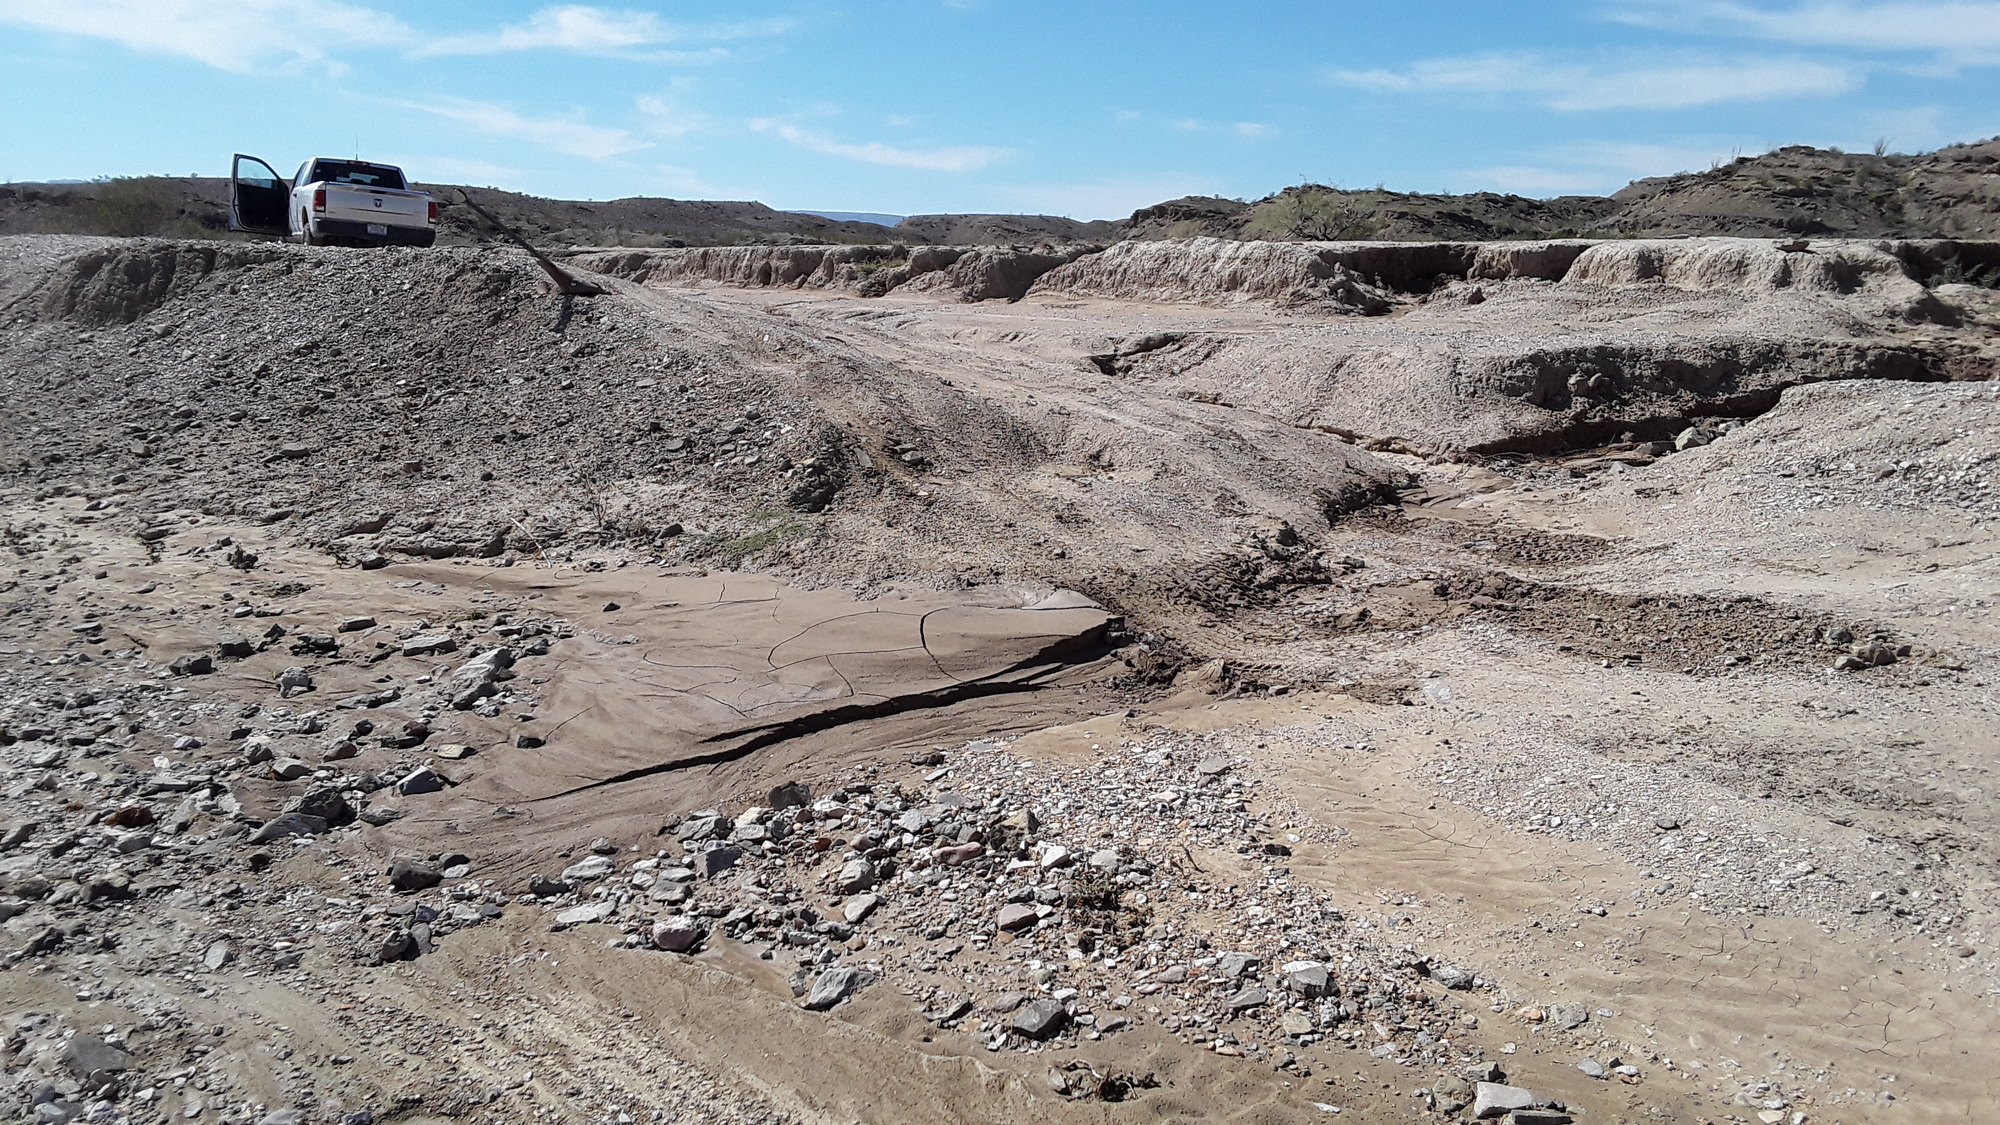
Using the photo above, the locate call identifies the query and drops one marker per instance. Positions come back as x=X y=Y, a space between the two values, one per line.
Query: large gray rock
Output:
x=1568 y=1017
x=1016 y=917
x=430 y=644
x=1231 y=966
x=676 y=935
x=792 y=794
x=288 y=824
x=407 y=876
x=715 y=861
x=1040 y=1019
x=1453 y=977
x=1308 y=978
x=856 y=875
x=585 y=914
x=88 y=1055
x=1491 y=1099
x=1247 y=999
x=588 y=869
x=326 y=803
x=833 y=986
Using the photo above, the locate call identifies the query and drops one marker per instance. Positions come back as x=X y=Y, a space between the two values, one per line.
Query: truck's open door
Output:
x=258 y=198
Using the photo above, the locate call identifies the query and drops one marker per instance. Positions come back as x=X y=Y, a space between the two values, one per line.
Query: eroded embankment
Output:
x=971 y=273
x=1369 y=278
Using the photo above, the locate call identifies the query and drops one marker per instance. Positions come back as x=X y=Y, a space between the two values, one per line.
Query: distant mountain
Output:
x=854 y=217
x=1951 y=193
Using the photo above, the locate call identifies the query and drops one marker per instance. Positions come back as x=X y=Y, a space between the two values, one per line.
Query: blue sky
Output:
x=1082 y=108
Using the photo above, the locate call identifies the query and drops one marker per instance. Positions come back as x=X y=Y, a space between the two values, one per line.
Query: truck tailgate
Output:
x=378 y=205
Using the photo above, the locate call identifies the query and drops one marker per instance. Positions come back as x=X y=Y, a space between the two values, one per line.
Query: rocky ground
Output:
x=425 y=698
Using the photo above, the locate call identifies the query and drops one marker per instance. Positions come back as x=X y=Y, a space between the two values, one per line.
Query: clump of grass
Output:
x=730 y=551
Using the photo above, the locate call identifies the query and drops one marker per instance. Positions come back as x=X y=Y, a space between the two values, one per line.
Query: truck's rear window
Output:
x=354 y=172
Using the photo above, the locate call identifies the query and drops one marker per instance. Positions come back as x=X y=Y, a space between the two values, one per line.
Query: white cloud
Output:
x=564 y=135
x=1245 y=129
x=1624 y=83
x=957 y=158
x=1531 y=179
x=596 y=31
x=1950 y=29
x=247 y=36
x=452 y=169
x=667 y=118
x=235 y=35
x=1597 y=167
x=1100 y=199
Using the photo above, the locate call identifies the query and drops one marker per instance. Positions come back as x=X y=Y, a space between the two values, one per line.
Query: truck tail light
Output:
x=434 y=212
x=319 y=199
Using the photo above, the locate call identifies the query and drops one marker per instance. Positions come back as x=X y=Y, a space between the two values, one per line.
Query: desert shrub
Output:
x=136 y=206
x=1953 y=271
x=1312 y=213
x=133 y=205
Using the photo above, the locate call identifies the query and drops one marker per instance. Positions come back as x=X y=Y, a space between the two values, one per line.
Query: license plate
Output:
x=378 y=228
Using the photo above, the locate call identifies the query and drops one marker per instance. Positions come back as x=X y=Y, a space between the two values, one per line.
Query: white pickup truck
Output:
x=329 y=202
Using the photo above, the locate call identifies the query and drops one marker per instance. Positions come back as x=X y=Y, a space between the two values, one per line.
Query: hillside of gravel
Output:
x=445 y=405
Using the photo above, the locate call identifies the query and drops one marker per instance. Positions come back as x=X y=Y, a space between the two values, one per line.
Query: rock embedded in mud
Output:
x=1568 y=1017
x=1453 y=977
x=1452 y=1093
x=198 y=664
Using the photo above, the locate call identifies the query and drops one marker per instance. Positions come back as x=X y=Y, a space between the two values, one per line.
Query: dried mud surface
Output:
x=405 y=675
